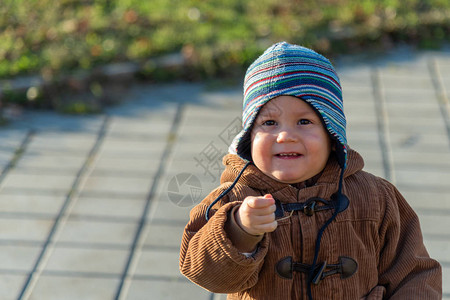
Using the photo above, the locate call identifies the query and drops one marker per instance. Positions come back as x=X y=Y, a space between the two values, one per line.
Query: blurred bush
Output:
x=53 y=36
x=216 y=37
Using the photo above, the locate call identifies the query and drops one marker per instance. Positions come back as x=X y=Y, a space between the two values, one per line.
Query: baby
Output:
x=295 y=216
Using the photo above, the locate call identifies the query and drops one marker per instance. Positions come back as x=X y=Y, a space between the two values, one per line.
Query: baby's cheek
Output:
x=260 y=148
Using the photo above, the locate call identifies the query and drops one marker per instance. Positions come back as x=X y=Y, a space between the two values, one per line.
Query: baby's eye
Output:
x=269 y=123
x=304 y=122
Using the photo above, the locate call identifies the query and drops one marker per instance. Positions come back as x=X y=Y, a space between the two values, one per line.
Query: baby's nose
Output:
x=286 y=136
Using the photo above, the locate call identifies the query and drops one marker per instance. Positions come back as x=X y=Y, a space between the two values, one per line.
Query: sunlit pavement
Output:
x=93 y=207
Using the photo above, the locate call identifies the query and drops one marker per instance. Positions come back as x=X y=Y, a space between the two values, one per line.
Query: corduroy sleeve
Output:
x=405 y=268
x=209 y=258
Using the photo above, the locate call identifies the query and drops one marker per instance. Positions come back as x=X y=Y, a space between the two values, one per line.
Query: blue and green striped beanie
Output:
x=292 y=70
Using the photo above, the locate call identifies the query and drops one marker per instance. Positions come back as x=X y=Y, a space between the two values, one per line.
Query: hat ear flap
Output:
x=244 y=147
x=341 y=154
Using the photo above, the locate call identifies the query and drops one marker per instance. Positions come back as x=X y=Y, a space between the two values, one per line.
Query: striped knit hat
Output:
x=285 y=69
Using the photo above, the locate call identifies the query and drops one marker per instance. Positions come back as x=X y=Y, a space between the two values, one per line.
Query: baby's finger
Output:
x=264 y=211
x=267 y=227
x=263 y=219
x=261 y=202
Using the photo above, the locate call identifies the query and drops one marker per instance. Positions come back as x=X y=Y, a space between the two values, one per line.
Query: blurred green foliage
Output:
x=51 y=37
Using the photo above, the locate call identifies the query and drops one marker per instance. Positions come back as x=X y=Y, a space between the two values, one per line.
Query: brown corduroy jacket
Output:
x=378 y=230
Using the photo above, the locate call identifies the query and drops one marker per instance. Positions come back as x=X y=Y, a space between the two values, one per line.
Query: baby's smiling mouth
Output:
x=288 y=155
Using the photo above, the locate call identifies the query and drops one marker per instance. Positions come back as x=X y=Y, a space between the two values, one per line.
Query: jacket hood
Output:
x=256 y=179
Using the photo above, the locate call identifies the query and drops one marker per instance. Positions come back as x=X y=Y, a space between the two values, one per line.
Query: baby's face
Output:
x=288 y=141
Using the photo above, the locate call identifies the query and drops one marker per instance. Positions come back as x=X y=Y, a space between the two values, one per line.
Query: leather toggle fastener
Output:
x=346 y=267
x=311 y=206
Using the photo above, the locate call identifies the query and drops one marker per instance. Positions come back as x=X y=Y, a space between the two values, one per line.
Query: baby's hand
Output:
x=256 y=215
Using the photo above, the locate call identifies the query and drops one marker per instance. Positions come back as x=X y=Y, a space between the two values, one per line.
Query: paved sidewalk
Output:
x=94 y=207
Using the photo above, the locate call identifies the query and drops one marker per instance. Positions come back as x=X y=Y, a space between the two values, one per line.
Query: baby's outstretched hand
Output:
x=256 y=215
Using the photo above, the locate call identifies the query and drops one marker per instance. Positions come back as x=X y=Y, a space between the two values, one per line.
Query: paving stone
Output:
x=209 y=133
x=51 y=161
x=18 y=258
x=362 y=118
x=207 y=182
x=425 y=178
x=12 y=138
x=357 y=93
x=5 y=158
x=112 y=195
x=193 y=156
x=131 y=148
x=427 y=199
x=164 y=235
x=159 y=263
x=158 y=289
x=361 y=128
x=227 y=98
x=142 y=128
x=53 y=287
x=143 y=106
x=412 y=68
x=368 y=137
x=118 y=185
x=165 y=95
x=18 y=180
x=94 y=261
x=404 y=126
x=166 y=211
x=63 y=141
x=24 y=229
x=194 y=114
x=370 y=152
x=435 y=225
x=108 y=207
x=349 y=83
x=420 y=142
x=425 y=111
x=127 y=164
x=186 y=137
x=431 y=158
x=52 y=121
x=10 y=285
x=351 y=75
x=416 y=114
x=438 y=249
x=445 y=280
x=30 y=203
x=211 y=116
x=91 y=232
x=393 y=82
x=115 y=173
x=189 y=151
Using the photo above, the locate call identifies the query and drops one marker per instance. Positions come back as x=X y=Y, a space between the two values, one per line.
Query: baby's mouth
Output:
x=288 y=155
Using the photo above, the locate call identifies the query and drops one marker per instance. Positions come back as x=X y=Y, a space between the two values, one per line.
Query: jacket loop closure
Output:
x=311 y=206
x=346 y=267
